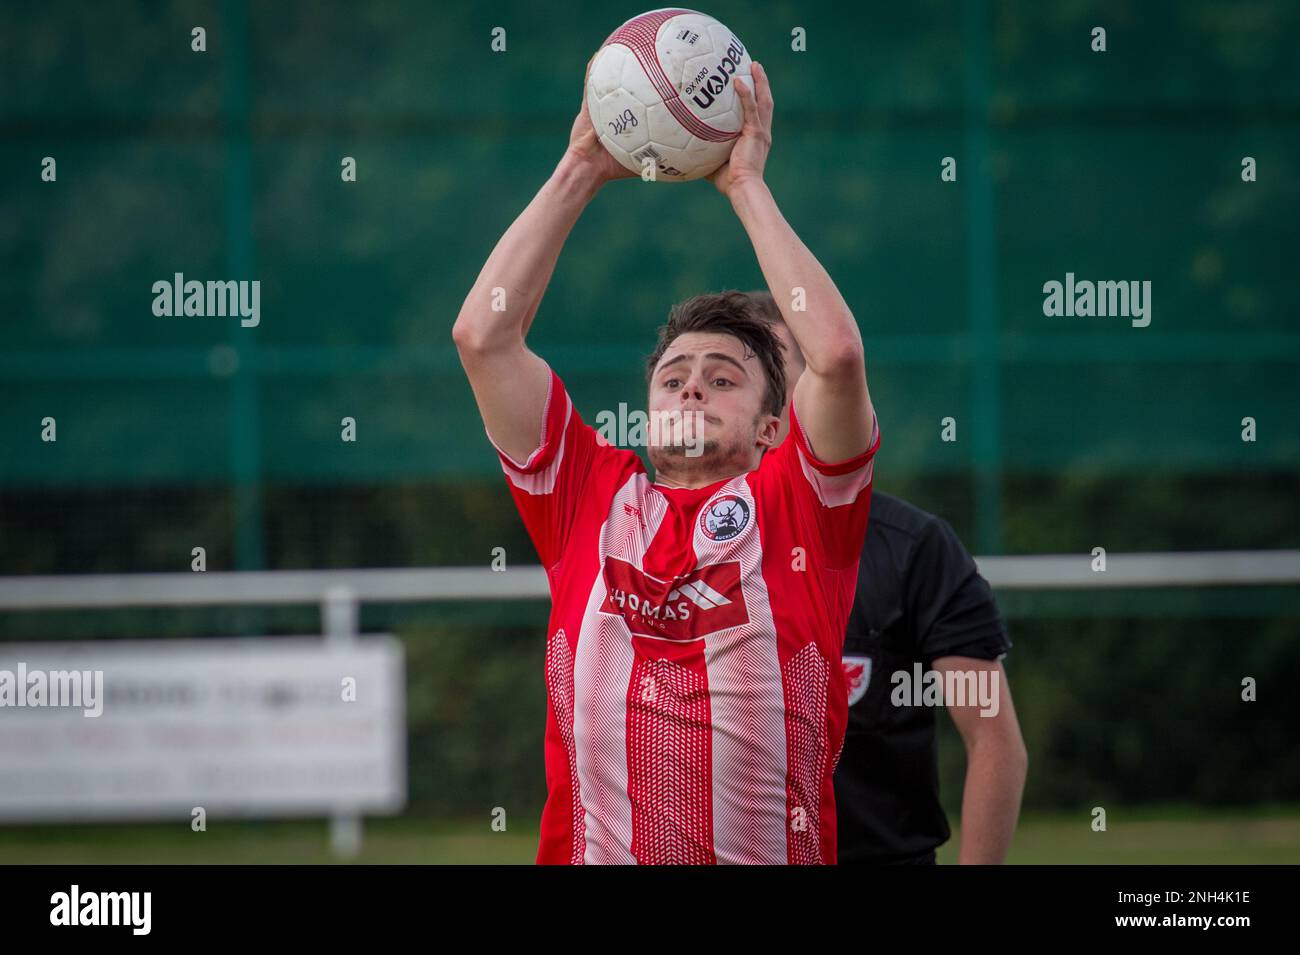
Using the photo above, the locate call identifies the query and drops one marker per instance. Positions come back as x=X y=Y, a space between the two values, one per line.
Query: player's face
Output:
x=709 y=390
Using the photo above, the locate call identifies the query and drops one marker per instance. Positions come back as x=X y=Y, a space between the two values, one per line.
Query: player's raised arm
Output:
x=831 y=398
x=509 y=381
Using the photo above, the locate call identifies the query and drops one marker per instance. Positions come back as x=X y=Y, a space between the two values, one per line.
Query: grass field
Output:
x=1152 y=836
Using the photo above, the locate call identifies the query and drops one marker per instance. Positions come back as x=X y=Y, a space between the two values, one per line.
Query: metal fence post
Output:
x=340 y=616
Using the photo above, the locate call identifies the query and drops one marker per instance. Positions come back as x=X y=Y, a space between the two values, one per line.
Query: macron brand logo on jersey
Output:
x=702 y=602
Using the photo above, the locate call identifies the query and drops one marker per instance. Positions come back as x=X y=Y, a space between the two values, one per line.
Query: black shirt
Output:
x=919 y=597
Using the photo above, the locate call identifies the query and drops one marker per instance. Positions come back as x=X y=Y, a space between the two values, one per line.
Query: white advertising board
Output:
x=246 y=727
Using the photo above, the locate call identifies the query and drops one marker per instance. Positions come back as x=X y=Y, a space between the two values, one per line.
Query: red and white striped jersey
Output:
x=696 y=699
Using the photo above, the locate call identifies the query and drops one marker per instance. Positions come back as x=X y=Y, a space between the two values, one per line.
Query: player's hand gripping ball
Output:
x=661 y=91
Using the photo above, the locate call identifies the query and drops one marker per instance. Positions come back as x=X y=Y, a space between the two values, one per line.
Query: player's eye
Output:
x=724 y=381
x=671 y=382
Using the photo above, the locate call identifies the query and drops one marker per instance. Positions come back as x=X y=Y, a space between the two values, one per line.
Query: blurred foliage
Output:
x=1122 y=165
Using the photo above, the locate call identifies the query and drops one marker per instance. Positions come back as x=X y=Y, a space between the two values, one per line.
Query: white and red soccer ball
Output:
x=661 y=90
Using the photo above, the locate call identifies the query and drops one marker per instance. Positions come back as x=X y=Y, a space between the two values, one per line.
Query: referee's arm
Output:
x=996 y=764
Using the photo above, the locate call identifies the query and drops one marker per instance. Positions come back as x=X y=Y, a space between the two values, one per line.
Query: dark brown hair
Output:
x=729 y=313
x=772 y=312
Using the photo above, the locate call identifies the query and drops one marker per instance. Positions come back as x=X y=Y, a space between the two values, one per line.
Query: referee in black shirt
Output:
x=922 y=610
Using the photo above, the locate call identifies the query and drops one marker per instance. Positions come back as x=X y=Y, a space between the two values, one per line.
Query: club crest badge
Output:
x=724 y=518
x=857 y=674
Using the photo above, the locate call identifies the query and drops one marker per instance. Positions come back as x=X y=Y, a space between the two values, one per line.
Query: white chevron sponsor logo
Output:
x=700 y=594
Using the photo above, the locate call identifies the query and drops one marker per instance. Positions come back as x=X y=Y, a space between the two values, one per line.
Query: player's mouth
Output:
x=693 y=412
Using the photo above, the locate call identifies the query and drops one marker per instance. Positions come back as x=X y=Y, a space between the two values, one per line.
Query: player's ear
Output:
x=769 y=428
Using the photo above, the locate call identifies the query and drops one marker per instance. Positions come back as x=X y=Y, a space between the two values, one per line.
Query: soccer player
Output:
x=696 y=700
x=920 y=600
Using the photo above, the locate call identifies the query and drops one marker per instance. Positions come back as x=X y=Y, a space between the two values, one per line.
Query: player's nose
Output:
x=692 y=390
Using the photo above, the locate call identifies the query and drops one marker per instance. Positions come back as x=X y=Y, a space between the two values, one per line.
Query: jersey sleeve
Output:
x=555 y=480
x=949 y=602
x=834 y=498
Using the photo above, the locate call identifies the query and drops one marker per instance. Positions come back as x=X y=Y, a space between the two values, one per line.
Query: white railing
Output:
x=342 y=587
